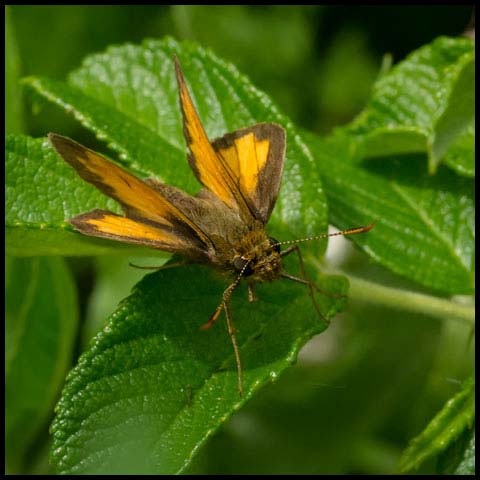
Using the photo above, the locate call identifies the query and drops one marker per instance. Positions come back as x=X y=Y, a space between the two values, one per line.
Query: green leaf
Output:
x=13 y=98
x=128 y=97
x=456 y=416
x=424 y=224
x=41 y=322
x=152 y=387
x=461 y=154
x=467 y=463
x=422 y=105
x=459 y=457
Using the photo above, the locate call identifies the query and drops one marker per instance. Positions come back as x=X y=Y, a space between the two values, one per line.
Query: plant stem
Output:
x=370 y=292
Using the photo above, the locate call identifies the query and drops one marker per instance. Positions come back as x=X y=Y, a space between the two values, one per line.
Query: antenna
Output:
x=350 y=231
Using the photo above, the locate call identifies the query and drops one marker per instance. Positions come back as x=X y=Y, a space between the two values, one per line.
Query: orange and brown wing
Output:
x=256 y=157
x=243 y=168
x=105 y=224
x=207 y=166
x=141 y=203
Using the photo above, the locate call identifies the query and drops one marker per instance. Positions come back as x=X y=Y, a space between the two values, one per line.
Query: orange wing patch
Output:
x=246 y=157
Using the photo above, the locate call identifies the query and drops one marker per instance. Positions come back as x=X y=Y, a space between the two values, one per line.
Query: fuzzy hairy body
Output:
x=254 y=248
x=234 y=241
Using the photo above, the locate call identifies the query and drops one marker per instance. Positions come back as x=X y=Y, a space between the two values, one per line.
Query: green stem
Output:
x=370 y=292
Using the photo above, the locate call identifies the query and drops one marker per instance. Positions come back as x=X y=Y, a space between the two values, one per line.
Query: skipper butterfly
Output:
x=223 y=225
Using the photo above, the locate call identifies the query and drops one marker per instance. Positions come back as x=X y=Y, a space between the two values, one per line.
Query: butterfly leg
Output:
x=251 y=294
x=231 y=331
x=296 y=248
x=226 y=295
x=225 y=305
x=304 y=280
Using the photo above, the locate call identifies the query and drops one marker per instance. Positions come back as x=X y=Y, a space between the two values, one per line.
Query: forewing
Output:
x=209 y=168
x=255 y=155
x=139 y=201
x=243 y=168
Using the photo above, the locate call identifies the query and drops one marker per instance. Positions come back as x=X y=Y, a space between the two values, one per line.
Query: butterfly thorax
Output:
x=255 y=251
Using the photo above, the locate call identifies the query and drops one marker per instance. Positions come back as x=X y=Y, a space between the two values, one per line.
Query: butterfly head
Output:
x=257 y=256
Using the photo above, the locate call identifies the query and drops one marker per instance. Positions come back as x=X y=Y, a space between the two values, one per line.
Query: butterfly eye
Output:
x=273 y=241
x=239 y=263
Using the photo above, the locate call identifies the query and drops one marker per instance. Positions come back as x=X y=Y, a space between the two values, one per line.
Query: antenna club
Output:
x=369 y=227
x=353 y=231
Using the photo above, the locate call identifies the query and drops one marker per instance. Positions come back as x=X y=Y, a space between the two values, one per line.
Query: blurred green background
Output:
x=361 y=390
x=316 y=62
